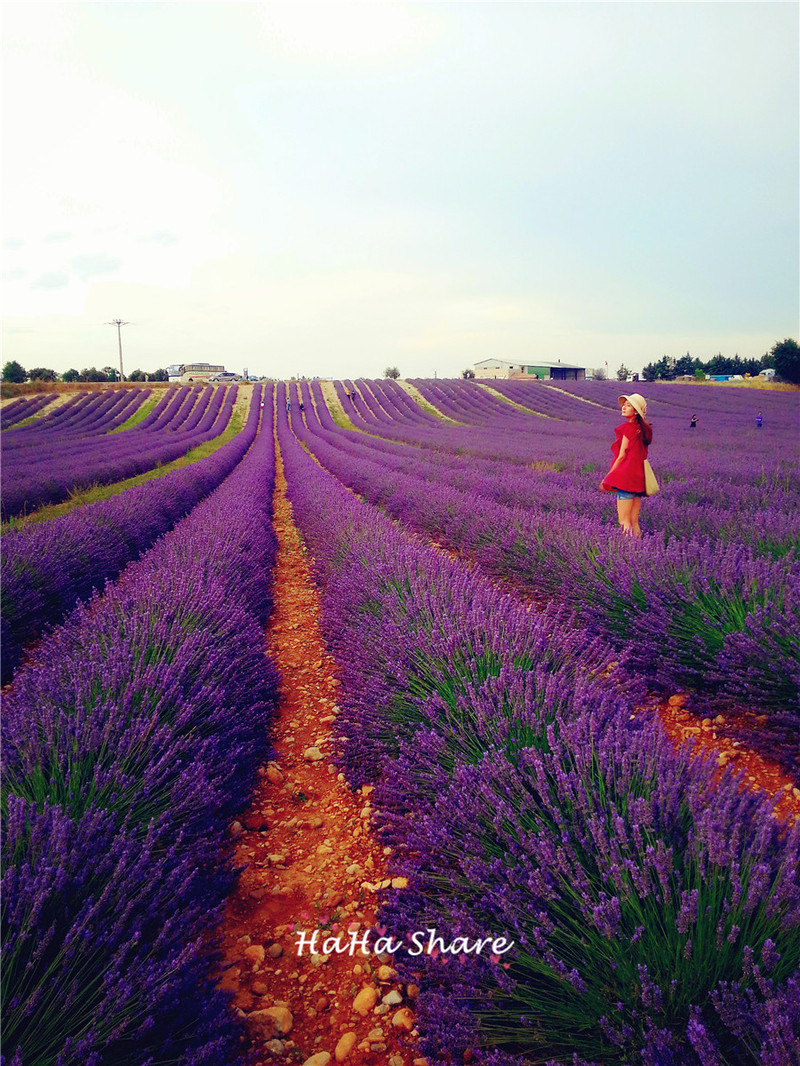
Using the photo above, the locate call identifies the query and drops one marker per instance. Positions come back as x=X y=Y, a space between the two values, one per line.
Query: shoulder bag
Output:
x=650 y=480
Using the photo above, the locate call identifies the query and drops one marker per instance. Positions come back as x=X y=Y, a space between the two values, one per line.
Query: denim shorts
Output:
x=622 y=494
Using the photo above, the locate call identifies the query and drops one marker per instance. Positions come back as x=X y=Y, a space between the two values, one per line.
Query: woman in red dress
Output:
x=626 y=476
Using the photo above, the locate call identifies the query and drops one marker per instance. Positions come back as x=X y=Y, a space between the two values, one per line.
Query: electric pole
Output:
x=119 y=323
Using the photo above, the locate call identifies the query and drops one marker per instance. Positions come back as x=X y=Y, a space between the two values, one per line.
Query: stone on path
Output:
x=269 y=1022
x=365 y=1000
x=322 y=1058
x=403 y=1019
x=346 y=1044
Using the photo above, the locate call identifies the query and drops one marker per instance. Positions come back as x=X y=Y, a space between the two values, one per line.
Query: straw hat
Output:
x=637 y=402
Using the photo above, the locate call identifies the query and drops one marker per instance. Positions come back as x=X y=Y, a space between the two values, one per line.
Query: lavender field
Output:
x=493 y=634
x=71 y=448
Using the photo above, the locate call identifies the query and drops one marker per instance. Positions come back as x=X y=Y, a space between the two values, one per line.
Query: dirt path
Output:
x=712 y=737
x=313 y=866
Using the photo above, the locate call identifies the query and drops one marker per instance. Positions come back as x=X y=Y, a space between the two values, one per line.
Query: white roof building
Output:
x=554 y=370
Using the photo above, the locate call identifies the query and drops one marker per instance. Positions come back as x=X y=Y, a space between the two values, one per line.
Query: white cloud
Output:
x=53 y=280
x=348 y=35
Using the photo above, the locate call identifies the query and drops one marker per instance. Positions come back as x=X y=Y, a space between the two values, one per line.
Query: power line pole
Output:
x=119 y=323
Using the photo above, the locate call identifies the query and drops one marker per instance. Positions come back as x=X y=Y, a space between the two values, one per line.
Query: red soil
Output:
x=712 y=737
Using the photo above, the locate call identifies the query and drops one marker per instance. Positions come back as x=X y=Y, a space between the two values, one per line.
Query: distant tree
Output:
x=159 y=375
x=468 y=374
x=93 y=374
x=40 y=373
x=719 y=364
x=599 y=373
x=684 y=366
x=622 y=373
x=785 y=358
x=14 y=372
x=111 y=373
x=391 y=372
x=137 y=375
x=70 y=375
x=665 y=368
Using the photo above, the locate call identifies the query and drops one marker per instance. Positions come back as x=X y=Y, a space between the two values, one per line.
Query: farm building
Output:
x=552 y=371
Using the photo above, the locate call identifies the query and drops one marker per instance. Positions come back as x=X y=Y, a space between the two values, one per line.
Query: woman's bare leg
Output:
x=635 y=509
x=624 y=508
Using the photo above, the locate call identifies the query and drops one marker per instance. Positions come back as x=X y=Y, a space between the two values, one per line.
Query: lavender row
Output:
x=726 y=447
x=763 y=512
x=127 y=749
x=47 y=567
x=86 y=417
x=721 y=621
x=23 y=408
x=85 y=426
x=653 y=915
x=76 y=407
x=29 y=484
x=711 y=486
x=468 y=402
x=765 y=516
x=687 y=398
x=182 y=414
x=397 y=402
x=373 y=404
x=549 y=400
x=390 y=404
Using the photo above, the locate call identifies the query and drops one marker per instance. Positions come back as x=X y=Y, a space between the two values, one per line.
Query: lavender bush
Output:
x=655 y=916
x=127 y=747
x=103 y=954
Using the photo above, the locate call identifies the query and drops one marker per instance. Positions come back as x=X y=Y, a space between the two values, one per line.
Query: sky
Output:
x=329 y=189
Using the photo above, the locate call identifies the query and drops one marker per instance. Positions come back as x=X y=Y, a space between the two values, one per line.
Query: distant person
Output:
x=288 y=405
x=302 y=406
x=759 y=420
x=626 y=476
x=693 y=423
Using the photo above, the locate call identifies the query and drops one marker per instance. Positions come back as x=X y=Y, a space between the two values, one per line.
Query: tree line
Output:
x=15 y=373
x=783 y=358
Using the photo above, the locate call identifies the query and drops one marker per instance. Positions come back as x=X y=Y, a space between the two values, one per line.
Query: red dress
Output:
x=629 y=475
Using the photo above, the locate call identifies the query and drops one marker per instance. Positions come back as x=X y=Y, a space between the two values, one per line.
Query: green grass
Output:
x=341 y=418
x=95 y=493
x=139 y=415
x=420 y=400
